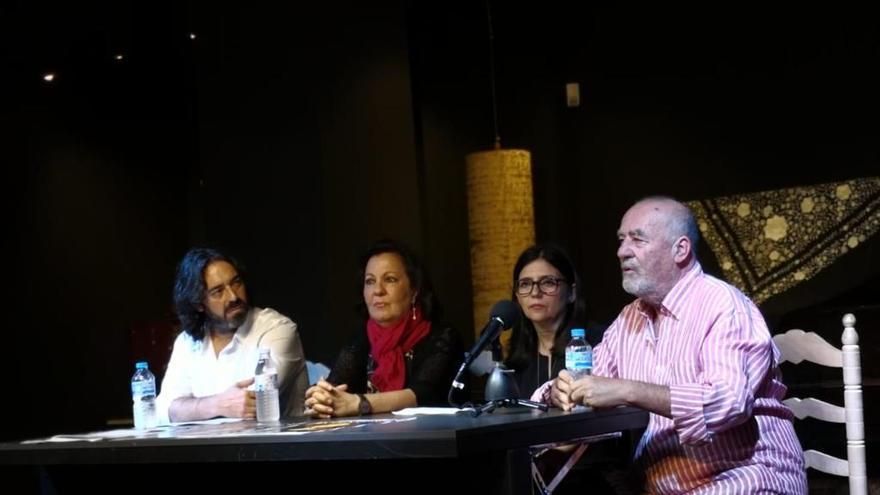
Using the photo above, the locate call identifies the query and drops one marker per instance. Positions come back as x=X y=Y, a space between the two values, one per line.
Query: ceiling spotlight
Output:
x=192 y=36
x=119 y=57
x=49 y=76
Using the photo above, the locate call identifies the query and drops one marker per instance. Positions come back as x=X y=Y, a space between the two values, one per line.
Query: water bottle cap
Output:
x=578 y=332
x=141 y=365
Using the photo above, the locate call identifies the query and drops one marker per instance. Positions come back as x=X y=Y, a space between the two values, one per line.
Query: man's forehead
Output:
x=642 y=218
x=219 y=272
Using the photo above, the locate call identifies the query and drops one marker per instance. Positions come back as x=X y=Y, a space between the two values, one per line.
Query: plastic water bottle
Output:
x=266 y=386
x=578 y=354
x=143 y=395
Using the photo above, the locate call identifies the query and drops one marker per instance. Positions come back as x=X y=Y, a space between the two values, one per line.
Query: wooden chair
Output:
x=797 y=346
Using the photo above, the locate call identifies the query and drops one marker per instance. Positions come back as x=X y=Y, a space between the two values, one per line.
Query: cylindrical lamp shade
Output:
x=501 y=223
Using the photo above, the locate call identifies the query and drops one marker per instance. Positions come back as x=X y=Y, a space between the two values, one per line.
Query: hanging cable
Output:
x=492 y=75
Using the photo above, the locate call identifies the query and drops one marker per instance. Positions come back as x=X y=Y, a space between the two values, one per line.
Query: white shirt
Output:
x=195 y=370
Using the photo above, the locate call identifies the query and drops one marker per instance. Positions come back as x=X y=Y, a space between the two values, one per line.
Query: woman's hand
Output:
x=324 y=400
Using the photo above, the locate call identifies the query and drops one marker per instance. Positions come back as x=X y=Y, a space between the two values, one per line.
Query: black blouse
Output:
x=430 y=365
x=535 y=372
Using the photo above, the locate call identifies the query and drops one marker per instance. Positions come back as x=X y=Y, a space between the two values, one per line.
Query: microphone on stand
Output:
x=504 y=315
x=487 y=359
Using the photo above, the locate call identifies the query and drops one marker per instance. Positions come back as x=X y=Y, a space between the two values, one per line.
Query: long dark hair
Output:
x=189 y=288
x=523 y=344
x=415 y=271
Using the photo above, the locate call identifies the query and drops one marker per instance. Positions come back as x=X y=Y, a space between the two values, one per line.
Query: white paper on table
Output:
x=432 y=411
x=90 y=437
x=215 y=421
x=127 y=432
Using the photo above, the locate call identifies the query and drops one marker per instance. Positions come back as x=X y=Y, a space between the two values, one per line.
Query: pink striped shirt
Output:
x=729 y=432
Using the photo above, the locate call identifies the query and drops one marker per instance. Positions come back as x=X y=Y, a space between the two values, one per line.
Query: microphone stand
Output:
x=502 y=391
x=494 y=404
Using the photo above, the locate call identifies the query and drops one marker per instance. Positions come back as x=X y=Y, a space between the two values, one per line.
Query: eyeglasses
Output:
x=546 y=285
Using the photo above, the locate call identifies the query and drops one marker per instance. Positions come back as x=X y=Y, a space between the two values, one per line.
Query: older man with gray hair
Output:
x=696 y=353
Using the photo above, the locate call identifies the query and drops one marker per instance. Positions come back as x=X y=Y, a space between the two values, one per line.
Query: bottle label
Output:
x=265 y=381
x=144 y=388
x=578 y=360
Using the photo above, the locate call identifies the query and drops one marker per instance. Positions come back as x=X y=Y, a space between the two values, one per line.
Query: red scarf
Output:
x=388 y=346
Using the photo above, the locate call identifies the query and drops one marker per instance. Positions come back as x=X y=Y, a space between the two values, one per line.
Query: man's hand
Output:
x=598 y=391
x=560 y=392
x=236 y=401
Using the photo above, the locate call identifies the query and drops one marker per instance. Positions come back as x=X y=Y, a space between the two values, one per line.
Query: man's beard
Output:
x=633 y=282
x=633 y=287
x=648 y=289
x=231 y=323
x=637 y=284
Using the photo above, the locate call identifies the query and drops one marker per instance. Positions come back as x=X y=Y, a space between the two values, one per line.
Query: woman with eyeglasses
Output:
x=546 y=287
x=402 y=356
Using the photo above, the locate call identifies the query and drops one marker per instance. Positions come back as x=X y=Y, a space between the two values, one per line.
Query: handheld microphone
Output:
x=504 y=315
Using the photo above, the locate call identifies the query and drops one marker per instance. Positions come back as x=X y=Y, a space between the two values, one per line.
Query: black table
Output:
x=455 y=452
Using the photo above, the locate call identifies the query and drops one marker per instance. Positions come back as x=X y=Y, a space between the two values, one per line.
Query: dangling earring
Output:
x=413 y=309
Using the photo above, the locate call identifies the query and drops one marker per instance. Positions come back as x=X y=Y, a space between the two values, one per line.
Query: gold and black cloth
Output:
x=770 y=241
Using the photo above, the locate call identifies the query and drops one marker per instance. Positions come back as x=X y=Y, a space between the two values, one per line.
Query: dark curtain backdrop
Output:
x=294 y=136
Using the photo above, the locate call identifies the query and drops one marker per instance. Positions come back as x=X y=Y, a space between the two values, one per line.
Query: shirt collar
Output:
x=675 y=299
x=204 y=345
x=242 y=332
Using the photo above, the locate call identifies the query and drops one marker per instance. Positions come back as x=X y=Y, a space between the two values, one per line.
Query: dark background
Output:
x=294 y=136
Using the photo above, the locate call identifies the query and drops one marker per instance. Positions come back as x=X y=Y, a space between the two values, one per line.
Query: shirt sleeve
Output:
x=177 y=381
x=351 y=364
x=604 y=358
x=287 y=352
x=542 y=393
x=734 y=361
x=434 y=366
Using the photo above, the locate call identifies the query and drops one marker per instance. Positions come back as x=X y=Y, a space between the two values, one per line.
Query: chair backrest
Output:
x=316 y=370
x=797 y=346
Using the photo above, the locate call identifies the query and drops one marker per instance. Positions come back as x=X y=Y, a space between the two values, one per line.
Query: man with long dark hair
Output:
x=214 y=357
